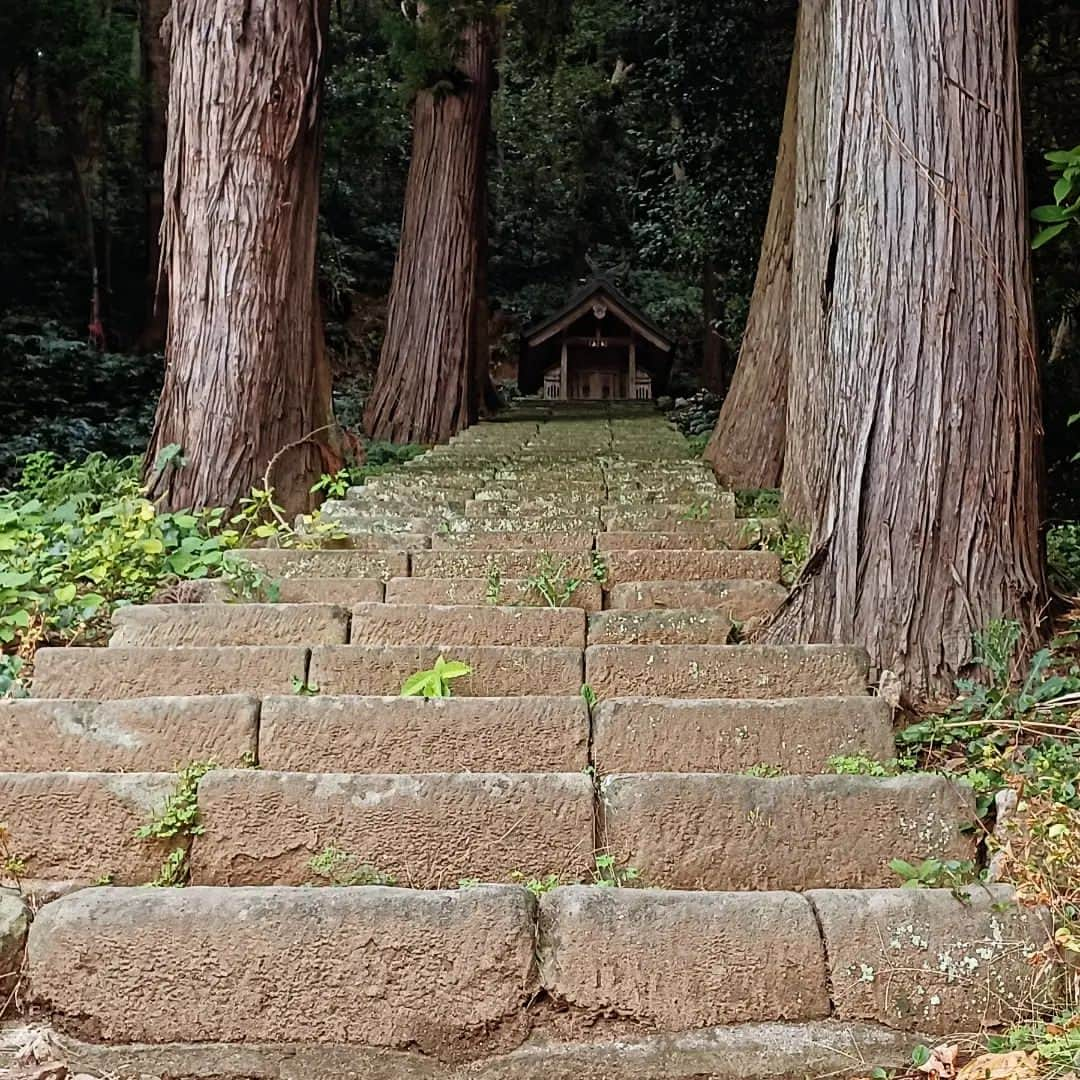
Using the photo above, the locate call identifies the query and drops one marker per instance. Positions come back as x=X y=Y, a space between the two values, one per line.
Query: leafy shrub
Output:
x=1064 y=212
x=61 y=395
x=1063 y=557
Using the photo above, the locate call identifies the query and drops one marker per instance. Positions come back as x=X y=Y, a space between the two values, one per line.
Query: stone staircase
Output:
x=725 y=906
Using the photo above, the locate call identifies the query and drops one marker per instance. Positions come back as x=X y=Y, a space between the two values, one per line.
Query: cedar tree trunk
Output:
x=913 y=438
x=155 y=72
x=747 y=447
x=427 y=387
x=246 y=376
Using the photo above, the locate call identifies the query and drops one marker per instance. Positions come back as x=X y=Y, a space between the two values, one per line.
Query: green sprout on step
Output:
x=589 y=695
x=609 y=875
x=555 y=587
x=436 y=682
x=302 y=688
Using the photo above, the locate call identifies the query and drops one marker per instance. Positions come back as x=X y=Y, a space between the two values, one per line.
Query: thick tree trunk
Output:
x=747 y=448
x=914 y=438
x=427 y=387
x=246 y=375
x=155 y=70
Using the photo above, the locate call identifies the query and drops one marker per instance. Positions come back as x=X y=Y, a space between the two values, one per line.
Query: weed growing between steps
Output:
x=12 y=864
x=333 y=866
x=177 y=822
x=436 y=682
x=551 y=582
x=380 y=458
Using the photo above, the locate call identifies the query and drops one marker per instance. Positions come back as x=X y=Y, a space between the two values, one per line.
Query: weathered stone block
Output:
x=720 y=831
x=920 y=960
x=515 y=540
x=172 y=625
x=511 y=564
x=290 y=563
x=725 y=671
x=369 y=966
x=80 y=827
x=645 y=535
x=140 y=735
x=742 y=600
x=345 y=591
x=14 y=922
x=683 y=960
x=497 y=670
x=668 y=627
x=462 y=624
x=624 y=566
x=587 y=596
x=104 y=674
x=428 y=831
x=796 y=735
x=736 y=1052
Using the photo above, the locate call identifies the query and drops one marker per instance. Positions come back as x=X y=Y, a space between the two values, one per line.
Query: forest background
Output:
x=635 y=135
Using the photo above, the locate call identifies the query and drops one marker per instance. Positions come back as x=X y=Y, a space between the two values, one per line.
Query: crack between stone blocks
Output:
x=824 y=952
x=258 y=729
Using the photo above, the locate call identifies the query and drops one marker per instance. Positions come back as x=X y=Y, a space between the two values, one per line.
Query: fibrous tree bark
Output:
x=913 y=435
x=154 y=55
x=747 y=446
x=246 y=374
x=428 y=385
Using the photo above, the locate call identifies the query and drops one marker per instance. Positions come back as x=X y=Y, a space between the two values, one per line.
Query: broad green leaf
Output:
x=415 y=685
x=455 y=669
x=153 y=546
x=65 y=594
x=1047 y=235
x=1062 y=189
x=1050 y=213
x=14 y=579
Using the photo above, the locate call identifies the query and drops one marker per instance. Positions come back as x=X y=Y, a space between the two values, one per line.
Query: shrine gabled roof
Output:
x=580 y=303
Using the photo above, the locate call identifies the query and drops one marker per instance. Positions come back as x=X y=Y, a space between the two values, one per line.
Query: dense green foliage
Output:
x=637 y=135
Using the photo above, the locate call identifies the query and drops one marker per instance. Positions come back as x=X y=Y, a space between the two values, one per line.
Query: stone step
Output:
x=720 y=507
x=140 y=672
x=416 y=735
x=691 y=536
x=719 y=985
x=723 y=831
x=514 y=563
x=480 y=590
x=461 y=624
x=768 y=1051
x=742 y=600
x=329 y=590
x=379 y=967
x=298 y=563
x=140 y=735
x=726 y=671
x=497 y=670
x=426 y=831
x=688 y=565
x=230 y=624
x=668 y=627
x=79 y=827
x=795 y=735
x=568 y=541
